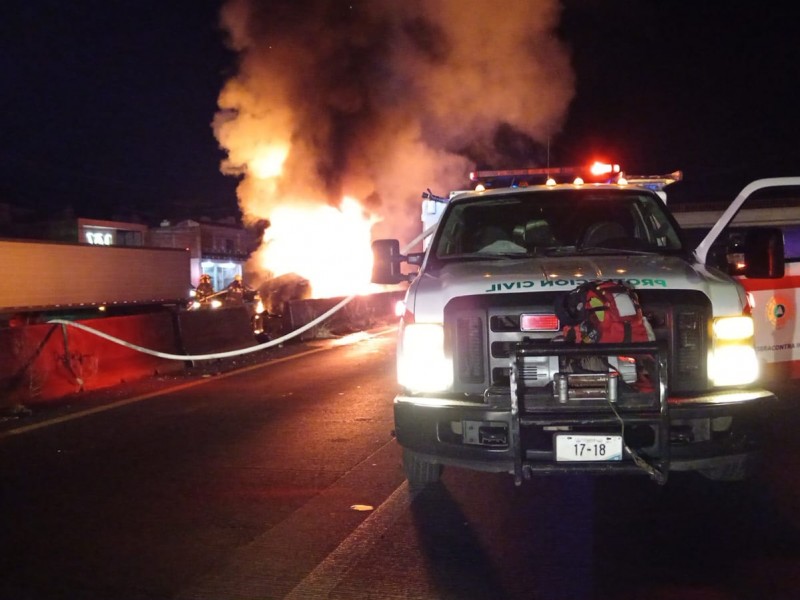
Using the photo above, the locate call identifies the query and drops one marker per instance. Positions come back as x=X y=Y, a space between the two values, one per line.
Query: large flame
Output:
x=328 y=246
x=341 y=111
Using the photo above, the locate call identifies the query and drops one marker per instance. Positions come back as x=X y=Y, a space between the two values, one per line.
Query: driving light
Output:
x=216 y=303
x=733 y=328
x=421 y=363
x=733 y=360
x=734 y=364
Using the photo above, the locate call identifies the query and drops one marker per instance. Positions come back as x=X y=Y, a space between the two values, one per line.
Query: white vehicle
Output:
x=487 y=381
x=774 y=302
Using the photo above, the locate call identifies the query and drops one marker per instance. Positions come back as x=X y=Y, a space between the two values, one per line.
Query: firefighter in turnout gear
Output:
x=235 y=291
x=205 y=288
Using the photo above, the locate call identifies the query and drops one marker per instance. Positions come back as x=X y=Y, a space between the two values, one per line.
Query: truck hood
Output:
x=429 y=293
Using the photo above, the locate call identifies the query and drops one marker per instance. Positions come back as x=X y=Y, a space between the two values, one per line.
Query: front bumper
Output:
x=514 y=429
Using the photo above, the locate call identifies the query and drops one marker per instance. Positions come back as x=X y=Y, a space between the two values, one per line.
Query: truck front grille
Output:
x=483 y=333
x=689 y=342
x=469 y=354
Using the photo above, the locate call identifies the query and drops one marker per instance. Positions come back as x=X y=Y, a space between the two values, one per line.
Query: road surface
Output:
x=282 y=480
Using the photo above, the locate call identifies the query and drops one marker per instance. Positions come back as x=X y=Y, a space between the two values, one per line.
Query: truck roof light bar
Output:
x=597 y=172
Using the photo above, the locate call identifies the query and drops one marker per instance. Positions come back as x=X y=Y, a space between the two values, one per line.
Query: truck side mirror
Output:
x=386 y=259
x=763 y=253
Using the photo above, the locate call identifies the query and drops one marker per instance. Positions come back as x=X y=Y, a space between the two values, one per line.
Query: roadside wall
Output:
x=39 y=363
x=43 y=363
x=360 y=313
x=210 y=331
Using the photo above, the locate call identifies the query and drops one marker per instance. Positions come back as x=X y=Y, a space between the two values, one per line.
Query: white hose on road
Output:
x=64 y=324
x=216 y=355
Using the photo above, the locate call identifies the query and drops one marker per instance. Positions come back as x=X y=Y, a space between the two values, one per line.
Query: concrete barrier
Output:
x=42 y=363
x=362 y=312
x=207 y=331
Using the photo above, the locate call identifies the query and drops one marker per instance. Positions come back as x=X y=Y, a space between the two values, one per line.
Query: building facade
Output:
x=216 y=249
x=219 y=249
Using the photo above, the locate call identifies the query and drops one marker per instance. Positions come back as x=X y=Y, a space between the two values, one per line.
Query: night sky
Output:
x=106 y=106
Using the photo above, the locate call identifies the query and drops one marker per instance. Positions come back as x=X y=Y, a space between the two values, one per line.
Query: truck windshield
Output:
x=556 y=222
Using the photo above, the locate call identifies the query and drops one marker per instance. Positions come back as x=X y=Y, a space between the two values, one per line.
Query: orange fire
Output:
x=328 y=246
x=326 y=106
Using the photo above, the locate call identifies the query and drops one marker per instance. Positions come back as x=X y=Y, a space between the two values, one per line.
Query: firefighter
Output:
x=235 y=291
x=205 y=289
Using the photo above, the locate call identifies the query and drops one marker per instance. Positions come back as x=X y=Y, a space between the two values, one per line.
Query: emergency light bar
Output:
x=598 y=172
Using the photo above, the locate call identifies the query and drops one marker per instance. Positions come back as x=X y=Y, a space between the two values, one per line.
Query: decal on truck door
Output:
x=779 y=310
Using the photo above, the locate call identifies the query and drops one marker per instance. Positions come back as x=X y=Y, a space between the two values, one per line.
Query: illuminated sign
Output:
x=99 y=236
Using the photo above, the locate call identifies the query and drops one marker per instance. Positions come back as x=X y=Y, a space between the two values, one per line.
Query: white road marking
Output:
x=331 y=571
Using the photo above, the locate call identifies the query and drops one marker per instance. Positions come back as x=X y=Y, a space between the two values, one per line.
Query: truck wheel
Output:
x=735 y=471
x=420 y=473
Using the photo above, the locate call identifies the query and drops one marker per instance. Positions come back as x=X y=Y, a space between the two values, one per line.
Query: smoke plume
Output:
x=380 y=99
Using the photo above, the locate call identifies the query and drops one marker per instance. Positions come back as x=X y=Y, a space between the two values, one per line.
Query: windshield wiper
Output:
x=606 y=250
x=484 y=256
x=581 y=250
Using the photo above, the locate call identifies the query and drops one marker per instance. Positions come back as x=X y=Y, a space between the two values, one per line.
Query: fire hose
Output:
x=230 y=353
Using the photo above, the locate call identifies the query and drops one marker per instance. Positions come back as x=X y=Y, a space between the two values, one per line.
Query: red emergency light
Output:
x=540 y=322
x=600 y=168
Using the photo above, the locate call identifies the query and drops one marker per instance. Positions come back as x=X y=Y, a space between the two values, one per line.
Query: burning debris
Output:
x=341 y=112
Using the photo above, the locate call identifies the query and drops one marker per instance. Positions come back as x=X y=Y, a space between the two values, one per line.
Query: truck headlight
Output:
x=733 y=328
x=732 y=360
x=421 y=363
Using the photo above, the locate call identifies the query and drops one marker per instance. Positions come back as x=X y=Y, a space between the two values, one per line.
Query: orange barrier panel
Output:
x=39 y=363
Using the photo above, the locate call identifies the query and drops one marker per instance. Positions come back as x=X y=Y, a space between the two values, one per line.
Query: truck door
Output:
x=775 y=302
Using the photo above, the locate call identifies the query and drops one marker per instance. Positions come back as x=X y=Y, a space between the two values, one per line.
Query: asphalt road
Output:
x=283 y=480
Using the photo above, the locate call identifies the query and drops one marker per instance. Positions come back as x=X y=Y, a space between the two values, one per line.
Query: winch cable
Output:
x=230 y=353
x=655 y=473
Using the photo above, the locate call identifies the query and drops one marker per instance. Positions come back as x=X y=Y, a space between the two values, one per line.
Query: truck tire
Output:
x=420 y=473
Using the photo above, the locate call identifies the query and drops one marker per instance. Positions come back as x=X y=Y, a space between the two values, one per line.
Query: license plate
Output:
x=595 y=448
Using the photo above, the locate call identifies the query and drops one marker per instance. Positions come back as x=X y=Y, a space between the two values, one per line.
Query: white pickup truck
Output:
x=488 y=383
